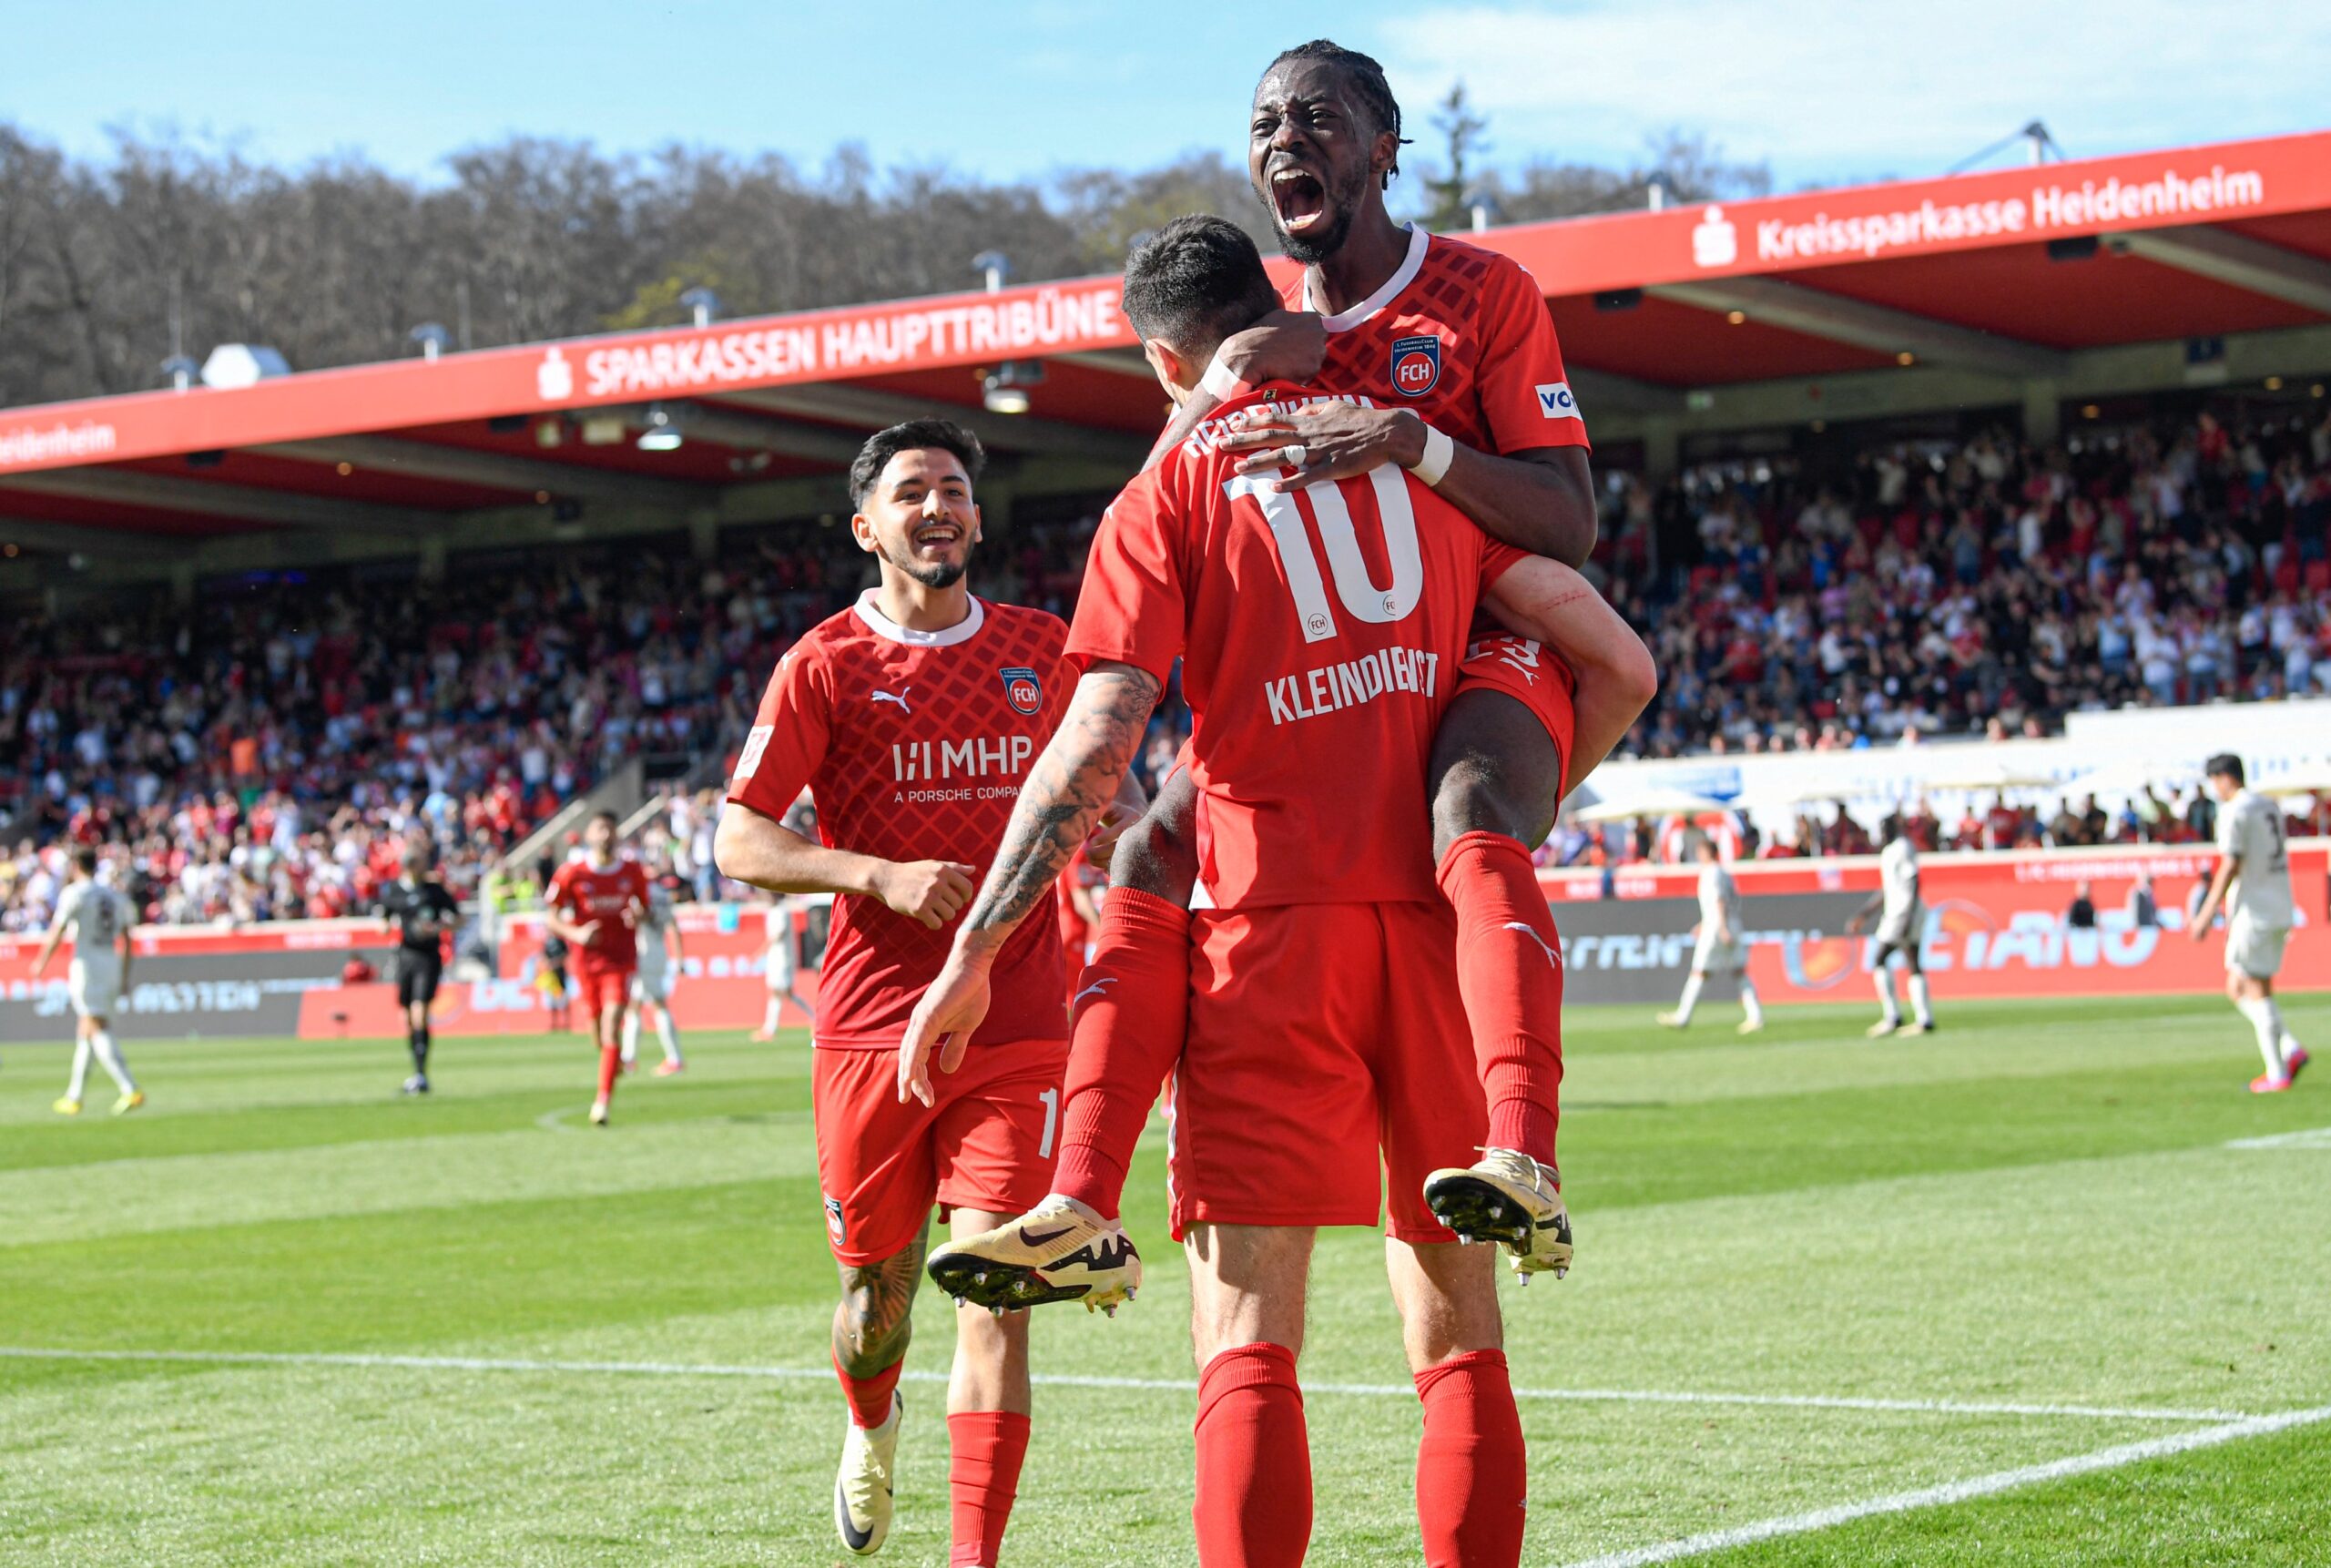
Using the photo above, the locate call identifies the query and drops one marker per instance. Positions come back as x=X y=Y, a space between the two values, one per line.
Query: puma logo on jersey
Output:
x=1098 y=987
x=898 y=697
x=1523 y=927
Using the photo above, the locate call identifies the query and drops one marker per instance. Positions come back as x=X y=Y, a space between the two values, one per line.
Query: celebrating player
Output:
x=1321 y=630
x=912 y=717
x=1451 y=369
x=422 y=912
x=1720 y=945
x=593 y=905
x=100 y=921
x=2254 y=883
x=1901 y=930
x=660 y=957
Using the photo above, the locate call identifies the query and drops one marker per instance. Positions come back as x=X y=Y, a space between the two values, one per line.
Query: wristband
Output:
x=1438 y=452
x=1223 y=382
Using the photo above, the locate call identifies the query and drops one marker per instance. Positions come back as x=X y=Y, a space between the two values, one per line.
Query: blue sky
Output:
x=1825 y=89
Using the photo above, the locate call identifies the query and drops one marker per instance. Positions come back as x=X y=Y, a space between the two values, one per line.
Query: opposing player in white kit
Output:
x=660 y=957
x=781 y=967
x=100 y=921
x=1721 y=944
x=1901 y=929
x=2254 y=883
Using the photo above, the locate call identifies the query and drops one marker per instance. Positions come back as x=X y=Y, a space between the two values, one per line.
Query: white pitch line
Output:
x=1072 y=1380
x=2312 y=1138
x=1960 y=1491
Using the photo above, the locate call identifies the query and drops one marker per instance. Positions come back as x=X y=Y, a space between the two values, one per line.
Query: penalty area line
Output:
x=1075 y=1380
x=1956 y=1491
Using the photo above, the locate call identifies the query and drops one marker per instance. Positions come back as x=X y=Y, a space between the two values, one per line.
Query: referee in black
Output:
x=423 y=912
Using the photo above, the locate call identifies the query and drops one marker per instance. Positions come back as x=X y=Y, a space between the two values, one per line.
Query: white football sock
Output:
x=1884 y=979
x=109 y=1058
x=630 y=1036
x=80 y=1068
x=770 y=1019
x=2268 y=1021
x=1748 y=1000
x=2289 y=1041
x=669 y=1036
x=1691 y=997
x=1920 y=1002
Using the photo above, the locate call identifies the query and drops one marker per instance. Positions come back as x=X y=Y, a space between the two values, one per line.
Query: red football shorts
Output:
x=989 y=1144
x=599 y=988
x=1533 y=676
x=1327 y=1054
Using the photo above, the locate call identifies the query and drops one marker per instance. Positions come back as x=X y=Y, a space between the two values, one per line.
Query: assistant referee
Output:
x=421 y=909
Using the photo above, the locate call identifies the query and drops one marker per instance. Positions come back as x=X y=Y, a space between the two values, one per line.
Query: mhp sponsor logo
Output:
x=1416 y=365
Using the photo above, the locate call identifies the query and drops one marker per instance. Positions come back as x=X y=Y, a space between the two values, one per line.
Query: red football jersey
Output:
x=612 y=895
x=1319 y=632
x=914 y=746
x=1460 y=335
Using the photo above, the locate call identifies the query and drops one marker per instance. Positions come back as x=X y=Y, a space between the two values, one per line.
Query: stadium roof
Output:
x=2022 y=287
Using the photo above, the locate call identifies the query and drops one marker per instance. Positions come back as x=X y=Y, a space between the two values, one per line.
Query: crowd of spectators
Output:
x=264 y=752
x=1980 y=586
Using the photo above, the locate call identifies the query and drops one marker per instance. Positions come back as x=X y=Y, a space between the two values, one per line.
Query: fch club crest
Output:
x=1022 y=688
x=1416 y=365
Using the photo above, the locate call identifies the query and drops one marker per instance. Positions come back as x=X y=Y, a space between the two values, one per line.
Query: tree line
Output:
x=109 y=267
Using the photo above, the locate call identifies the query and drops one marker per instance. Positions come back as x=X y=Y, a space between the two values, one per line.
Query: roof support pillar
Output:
x=1661 y=443
x=2043 y=412
x=182 y=583
x=703 y=534
x=432 y=558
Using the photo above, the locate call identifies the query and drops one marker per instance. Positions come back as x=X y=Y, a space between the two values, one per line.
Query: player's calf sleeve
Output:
x=668 y=1034
x=1127 y=1034
x=1510 y=974
x=1883 y=978
x=1472 y=1475
x=870 y=1397
x=1254 y=1461
x=610 y=1064
x=1921 y=1002
x=982 y=1478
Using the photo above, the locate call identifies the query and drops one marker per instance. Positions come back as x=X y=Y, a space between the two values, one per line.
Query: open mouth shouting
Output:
x=1299 y=200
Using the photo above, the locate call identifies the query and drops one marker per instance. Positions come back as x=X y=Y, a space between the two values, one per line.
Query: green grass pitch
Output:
x=472 y=1329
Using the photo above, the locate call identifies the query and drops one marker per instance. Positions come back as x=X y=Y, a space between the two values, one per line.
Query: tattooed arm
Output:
x=1074 y=778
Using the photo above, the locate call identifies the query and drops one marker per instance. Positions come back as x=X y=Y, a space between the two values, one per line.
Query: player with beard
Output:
x=1449 y=368
x=911 y=718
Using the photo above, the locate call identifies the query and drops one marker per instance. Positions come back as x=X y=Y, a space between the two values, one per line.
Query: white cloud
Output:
x=1829 y=88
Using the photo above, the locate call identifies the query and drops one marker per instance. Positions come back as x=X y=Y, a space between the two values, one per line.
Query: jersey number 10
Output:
x=1364 y=600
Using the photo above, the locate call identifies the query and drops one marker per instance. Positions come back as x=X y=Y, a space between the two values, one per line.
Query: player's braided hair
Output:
x=1367 y=83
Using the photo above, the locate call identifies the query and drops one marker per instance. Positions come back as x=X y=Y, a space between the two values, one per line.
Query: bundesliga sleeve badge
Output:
x=1022 y=688
x=1416 y=365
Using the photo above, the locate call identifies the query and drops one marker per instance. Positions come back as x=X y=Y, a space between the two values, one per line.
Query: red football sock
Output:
x=1510 y=972
x=610 y=1064
x=1472 y=1475
x=870 y=1397
x=983 y=1477
x=1127 y=1038
x=1254 y=1461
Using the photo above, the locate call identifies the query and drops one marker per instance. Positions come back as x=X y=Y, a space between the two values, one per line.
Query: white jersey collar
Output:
x=871 y=611
x=1386 y=292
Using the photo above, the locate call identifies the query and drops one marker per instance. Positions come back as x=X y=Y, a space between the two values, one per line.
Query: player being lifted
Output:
x=593 y=905
x=422 y=912
x=1901 y=929
x=99 y=921
x=1721 y=941
x=2254 y=883
x=912 y=717
x=1449 y=368
x=1321 y=630
x=660 y=957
